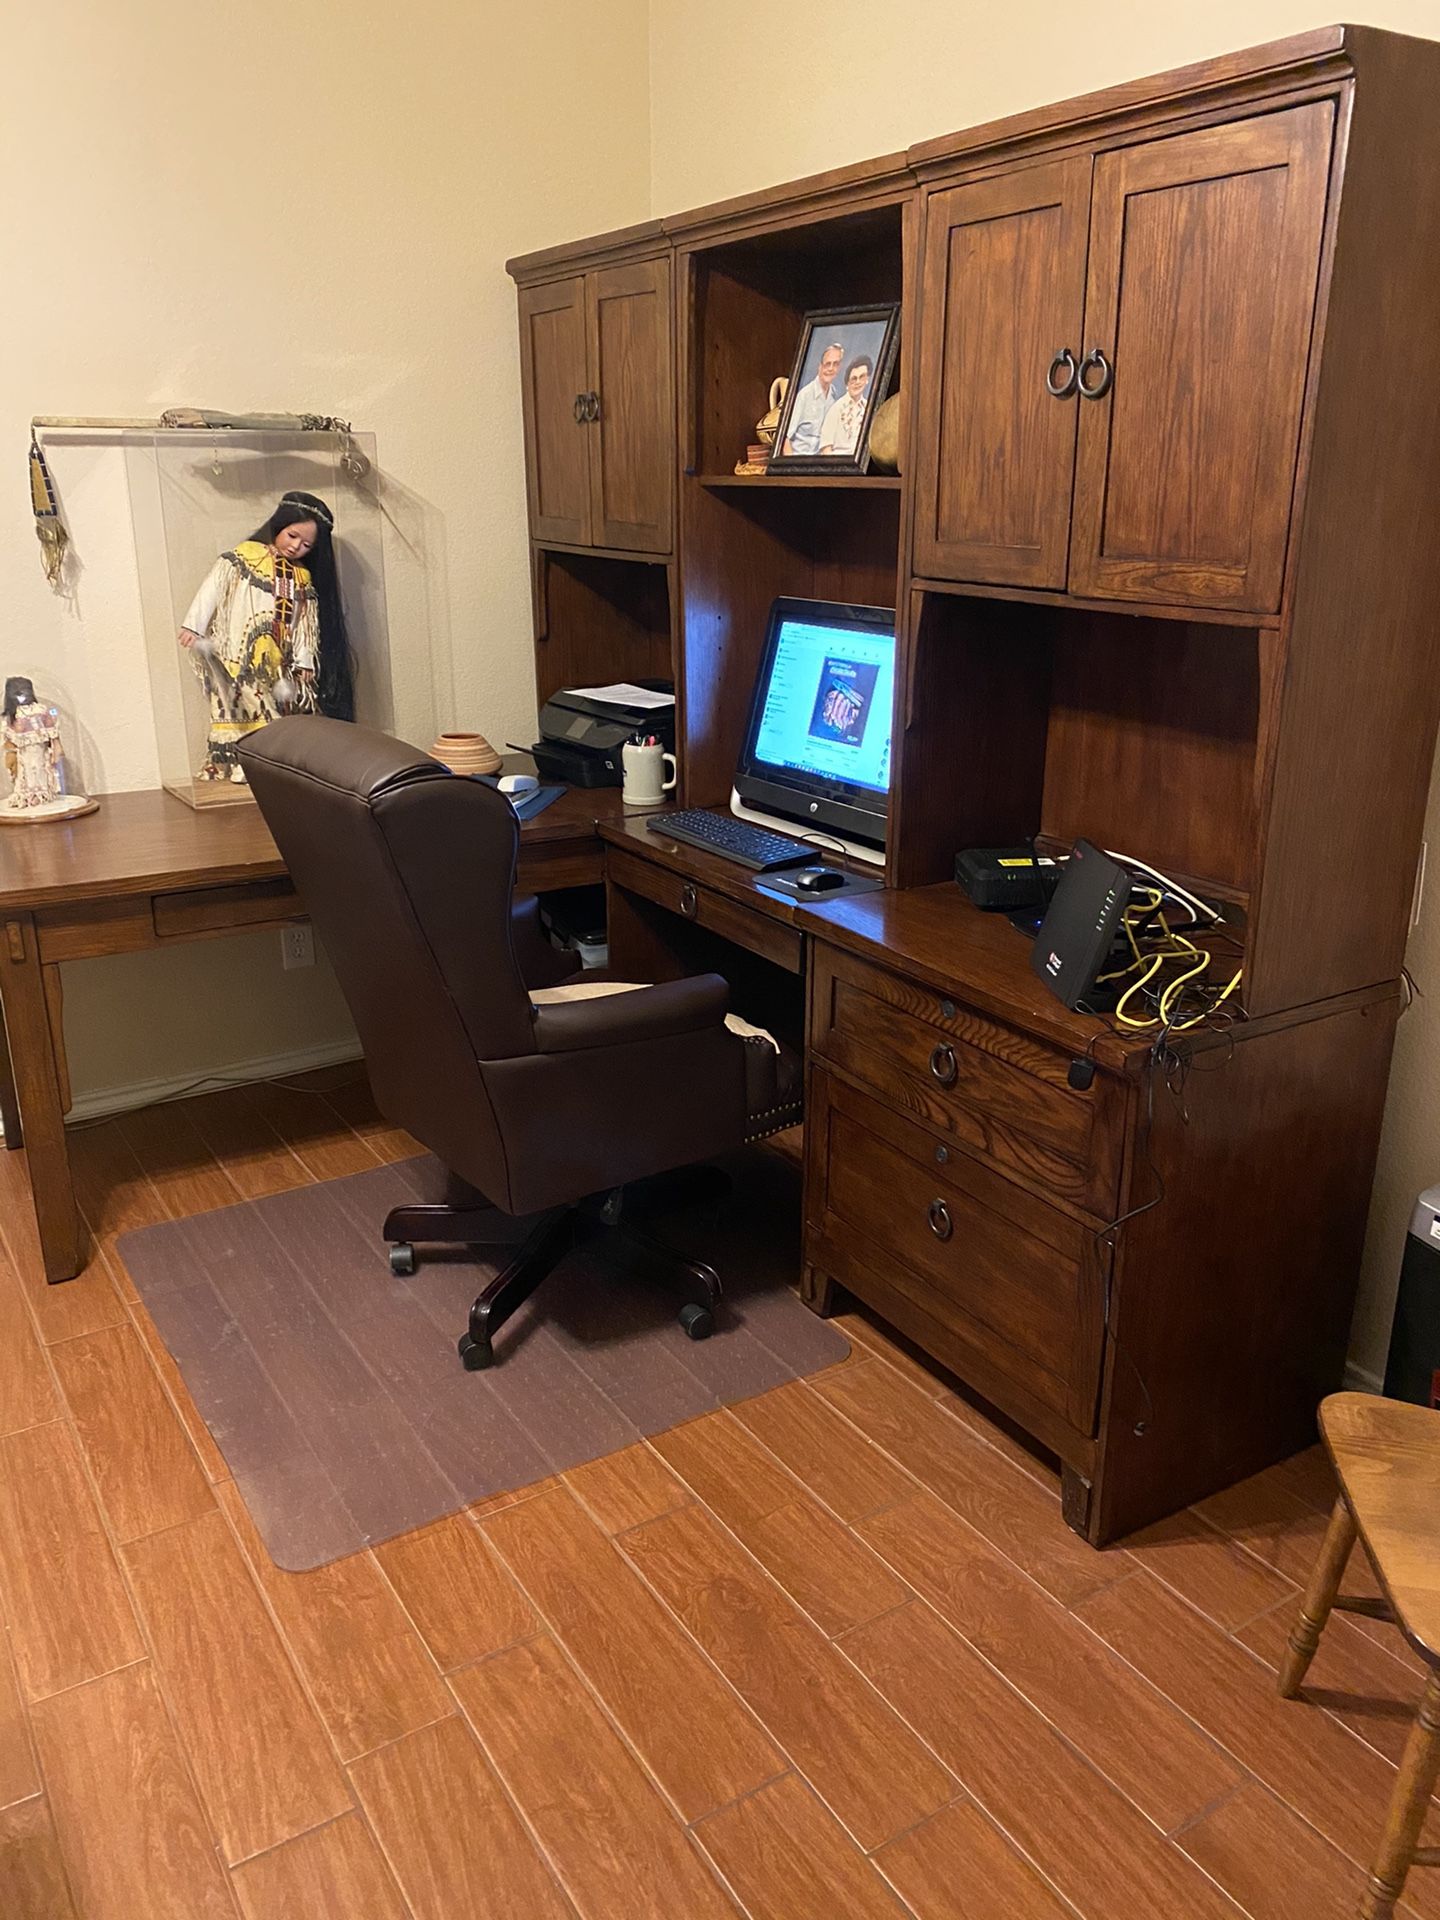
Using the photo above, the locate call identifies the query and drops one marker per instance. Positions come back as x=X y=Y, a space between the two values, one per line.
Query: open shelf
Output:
x=821 y=482
x=1069 y=723
x=747 y=301
x=598 y=620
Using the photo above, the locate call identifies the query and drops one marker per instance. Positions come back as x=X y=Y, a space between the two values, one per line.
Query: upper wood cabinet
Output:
x=1172 y=386
x=1003 y=298
x=598 y=386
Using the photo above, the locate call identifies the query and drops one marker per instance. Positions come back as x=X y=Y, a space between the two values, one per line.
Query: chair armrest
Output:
x=648 y=1013
x=540 y=964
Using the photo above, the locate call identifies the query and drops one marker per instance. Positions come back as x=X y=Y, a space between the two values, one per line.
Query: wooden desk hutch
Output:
x=1190 y=615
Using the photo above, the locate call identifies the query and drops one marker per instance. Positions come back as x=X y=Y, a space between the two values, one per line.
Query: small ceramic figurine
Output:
x=267 y=632
x=33 y=759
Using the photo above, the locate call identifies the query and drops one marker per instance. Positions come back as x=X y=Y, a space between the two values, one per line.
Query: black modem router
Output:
x=1078 y=931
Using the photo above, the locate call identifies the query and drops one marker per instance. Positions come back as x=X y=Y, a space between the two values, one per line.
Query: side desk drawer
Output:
x=1003 y=1097
x=756 y=932
x=1018 y=1283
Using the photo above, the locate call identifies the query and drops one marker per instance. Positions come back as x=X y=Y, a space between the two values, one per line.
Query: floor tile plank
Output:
x=1286 y=1532
x=822 y=1566
x=866 y=1765
x=617 y=1848
x=788 y=1859
x=1209 y=1569
x=264 y=1767
x=32 y=1876
x=1272 y=1862
x=324 y=1145
x=452 y=1838
x=70 y=1619
x=463 y=1602
x=997 y=1498
x=181 y=1167
x=959 y=1866
x=626 y=1488
x=143 y=1463
x=19 y=1774
x=361 y=1657
x=1363 y=1686
x=212 y=1461
x=1092 y=1845
x=333 y=1873
x=834 y=1461
x=254 y=1156
x=83 y=1304
x=686 y=1724
x=132 y=1835
x=28 y=1395
x=1332 y=1779
x=1129 y=1731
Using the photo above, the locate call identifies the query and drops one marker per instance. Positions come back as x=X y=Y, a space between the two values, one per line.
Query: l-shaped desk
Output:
x=971 y=1144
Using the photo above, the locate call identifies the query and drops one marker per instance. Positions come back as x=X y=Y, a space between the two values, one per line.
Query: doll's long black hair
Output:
x=335 y=675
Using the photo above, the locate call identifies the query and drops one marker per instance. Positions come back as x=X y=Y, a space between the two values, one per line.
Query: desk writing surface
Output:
x=931 y=934
x=150 y=842
x=936 y=936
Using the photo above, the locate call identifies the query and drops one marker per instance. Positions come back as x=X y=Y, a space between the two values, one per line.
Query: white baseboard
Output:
x=99 y=1101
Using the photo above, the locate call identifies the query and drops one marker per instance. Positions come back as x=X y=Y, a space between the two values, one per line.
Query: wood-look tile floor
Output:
x=826 y=1655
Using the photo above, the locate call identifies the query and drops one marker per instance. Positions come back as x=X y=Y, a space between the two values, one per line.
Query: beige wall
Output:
x=760 y=91
x=288 y=207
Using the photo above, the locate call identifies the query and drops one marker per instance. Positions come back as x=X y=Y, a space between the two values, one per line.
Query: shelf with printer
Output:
x=600 y=619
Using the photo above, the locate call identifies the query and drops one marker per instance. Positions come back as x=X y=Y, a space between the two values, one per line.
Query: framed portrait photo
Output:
x=842 y=370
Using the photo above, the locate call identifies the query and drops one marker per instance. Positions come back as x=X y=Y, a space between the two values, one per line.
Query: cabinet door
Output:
x=1204 y=252
x=632 y=435
x=1003 y=293
x=553 y=384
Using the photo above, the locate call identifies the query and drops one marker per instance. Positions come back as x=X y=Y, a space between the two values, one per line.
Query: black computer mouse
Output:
x=818 y=879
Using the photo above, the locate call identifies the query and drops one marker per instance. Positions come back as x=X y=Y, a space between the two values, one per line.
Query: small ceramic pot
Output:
x=465 y=753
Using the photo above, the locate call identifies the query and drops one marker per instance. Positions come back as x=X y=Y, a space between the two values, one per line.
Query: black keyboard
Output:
x=733 y=839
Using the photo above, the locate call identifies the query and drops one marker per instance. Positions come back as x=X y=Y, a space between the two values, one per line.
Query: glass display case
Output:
x=198 y=493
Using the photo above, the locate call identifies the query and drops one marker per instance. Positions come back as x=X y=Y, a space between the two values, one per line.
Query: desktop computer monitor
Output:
x=817 y=747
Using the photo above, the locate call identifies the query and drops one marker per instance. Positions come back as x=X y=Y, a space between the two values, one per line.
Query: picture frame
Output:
x=834 y=342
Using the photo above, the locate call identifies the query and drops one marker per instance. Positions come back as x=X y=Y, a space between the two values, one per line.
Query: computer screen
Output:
x=819 y=734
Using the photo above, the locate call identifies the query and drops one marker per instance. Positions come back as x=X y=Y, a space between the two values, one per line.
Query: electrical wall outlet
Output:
x=297 y=945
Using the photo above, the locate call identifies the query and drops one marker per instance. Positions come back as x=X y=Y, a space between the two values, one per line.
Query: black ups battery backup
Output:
x=1413 y=1369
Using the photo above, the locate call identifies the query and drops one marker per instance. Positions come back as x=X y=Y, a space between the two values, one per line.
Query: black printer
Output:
x=581 y=734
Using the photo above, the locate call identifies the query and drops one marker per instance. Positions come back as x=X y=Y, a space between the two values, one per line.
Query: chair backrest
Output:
x=409 y=876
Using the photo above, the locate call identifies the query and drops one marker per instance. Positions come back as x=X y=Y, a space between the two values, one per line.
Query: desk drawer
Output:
x=1003 y=1097
x=217 y=909
x=1018 y=1284
x=756 y=932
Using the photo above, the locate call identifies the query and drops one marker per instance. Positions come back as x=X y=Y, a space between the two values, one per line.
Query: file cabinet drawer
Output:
x=1002 y=1096
x=1019 y=1283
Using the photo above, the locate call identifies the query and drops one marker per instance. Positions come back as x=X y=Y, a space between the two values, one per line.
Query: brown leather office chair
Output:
x=409 y=873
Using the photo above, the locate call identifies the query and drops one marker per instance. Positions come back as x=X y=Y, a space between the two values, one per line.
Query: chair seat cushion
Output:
x=774 y=1074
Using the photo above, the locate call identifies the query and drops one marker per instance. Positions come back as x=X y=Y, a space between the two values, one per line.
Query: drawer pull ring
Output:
x=689 y=901
x=943 y=1065
x=941 y=1225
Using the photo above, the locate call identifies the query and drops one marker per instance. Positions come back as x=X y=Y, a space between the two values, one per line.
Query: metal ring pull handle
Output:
x=592 y=406
x=579 y=409
x=1062 y=389
x=941 y=1225
x=943 y=1065
x=1095 y=359
x=689 y=901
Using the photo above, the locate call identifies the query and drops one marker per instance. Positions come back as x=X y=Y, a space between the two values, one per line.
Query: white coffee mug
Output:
x=642 y=769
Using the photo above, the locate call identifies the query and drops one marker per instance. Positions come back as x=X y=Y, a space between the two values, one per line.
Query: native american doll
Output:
x=267 y=632
x=34 y=759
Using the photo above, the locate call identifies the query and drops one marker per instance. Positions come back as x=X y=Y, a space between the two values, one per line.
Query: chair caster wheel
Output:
x=476 y=1354
x=698 y=1321
x=402 y=1260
